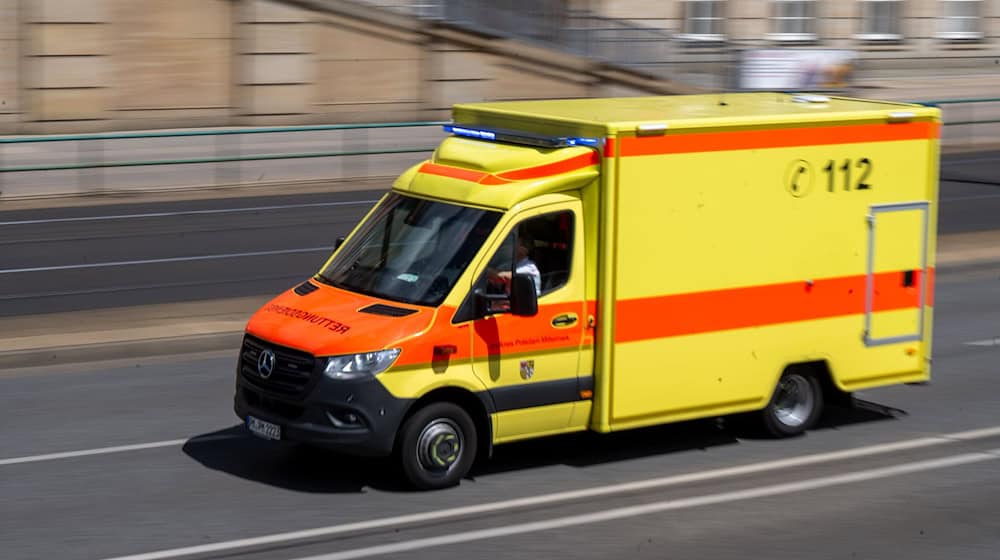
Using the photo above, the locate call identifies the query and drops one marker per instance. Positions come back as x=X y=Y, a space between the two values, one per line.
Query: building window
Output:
x=702 y=21
x=960 y=20
x=880 y=20
x=794 y=20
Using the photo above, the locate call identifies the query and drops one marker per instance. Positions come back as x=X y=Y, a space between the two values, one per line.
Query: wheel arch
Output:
x=476 y=405
x=823 y=372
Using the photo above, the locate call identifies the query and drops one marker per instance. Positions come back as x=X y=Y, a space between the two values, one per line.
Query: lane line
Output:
x=164 y=260
x=115 y=449
x=185 y=213
x=987 y=342
x=667 y=505
x=558 y=497
x=165 y=285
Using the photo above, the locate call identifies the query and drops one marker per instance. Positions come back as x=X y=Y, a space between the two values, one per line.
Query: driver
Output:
x=524 y=264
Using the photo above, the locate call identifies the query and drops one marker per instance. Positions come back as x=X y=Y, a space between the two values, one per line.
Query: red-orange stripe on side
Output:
x=756 y=306
x=456 y=172
x=769 y=138
x=501 y=334
x=564 y=166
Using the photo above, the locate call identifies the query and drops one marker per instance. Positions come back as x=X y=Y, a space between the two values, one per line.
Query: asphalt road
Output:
x=65 y=259
x=202 y=481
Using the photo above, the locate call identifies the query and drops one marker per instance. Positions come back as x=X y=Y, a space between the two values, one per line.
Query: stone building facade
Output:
x=97 y=65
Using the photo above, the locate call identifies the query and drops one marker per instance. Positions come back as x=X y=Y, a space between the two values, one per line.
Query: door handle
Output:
x=564 y=320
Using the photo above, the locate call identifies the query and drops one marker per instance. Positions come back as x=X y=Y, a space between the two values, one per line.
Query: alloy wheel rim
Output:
x=440 y=446
x=794 y=401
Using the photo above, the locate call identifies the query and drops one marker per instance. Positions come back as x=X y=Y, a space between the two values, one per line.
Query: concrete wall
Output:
x=97 y=65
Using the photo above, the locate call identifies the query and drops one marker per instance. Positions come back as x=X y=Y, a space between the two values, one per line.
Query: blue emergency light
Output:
x=520 y=137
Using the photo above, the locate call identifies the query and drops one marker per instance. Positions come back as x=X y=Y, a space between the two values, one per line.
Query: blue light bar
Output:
x=590 y=142
x=470 y=132
x=520 y=137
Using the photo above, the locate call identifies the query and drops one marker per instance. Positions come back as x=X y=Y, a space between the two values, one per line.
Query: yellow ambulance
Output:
x=607 y=264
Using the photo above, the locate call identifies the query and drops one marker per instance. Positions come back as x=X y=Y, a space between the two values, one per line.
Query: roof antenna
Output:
x=722 y=100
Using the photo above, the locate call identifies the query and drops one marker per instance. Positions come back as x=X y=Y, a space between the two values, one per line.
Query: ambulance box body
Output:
x=608 y=264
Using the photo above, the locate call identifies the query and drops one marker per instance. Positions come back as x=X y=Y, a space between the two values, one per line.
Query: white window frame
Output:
x=868 y=19
x=699 y=27
x=948 y=17
x=800 y=12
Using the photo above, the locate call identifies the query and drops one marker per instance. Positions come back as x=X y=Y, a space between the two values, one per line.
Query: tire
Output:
x=437 y=446
x=795 y=405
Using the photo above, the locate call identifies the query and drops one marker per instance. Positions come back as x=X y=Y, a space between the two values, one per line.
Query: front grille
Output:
x=293 y=369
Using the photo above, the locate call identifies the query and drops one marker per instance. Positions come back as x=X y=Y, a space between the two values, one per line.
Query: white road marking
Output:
x=185 y=213
x=667 y=505
x=116 y=449
x=986 y=342
x=164 y=260
x=554 y=498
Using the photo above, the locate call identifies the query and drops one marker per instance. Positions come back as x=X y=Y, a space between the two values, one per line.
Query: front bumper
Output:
x=356 y=417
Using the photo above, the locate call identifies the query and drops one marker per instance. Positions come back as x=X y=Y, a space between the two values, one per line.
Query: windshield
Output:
x=410 y=250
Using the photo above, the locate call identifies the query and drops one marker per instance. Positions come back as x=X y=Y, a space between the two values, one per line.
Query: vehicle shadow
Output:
x=856 y=411
x=303 y=468
x=290 y=466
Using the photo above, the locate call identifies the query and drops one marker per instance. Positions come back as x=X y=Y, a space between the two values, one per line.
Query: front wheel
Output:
x=795 y=406
x=437 y=446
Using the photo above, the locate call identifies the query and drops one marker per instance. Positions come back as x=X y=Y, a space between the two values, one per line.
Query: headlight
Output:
x=357 y=366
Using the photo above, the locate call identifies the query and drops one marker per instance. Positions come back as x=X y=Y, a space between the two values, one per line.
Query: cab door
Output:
x=531 y=365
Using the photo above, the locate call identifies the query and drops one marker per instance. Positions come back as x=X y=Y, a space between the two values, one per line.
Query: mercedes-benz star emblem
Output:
x=265 y=363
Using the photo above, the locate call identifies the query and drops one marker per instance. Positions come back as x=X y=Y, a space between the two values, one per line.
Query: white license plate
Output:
x=263 y=429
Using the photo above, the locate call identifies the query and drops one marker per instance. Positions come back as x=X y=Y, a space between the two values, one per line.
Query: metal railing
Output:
x=213 y=133
x=92 y=158
x=972 y=102
x=232 y=157
x=967 y=121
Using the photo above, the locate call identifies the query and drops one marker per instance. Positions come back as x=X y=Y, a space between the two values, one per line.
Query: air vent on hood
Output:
x=306 y=288
x=388 y=310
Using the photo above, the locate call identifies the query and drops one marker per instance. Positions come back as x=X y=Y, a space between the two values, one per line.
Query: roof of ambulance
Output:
x=694 y=110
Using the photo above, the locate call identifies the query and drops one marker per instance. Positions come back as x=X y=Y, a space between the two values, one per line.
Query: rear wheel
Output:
x=437 y=446
x=795 y=406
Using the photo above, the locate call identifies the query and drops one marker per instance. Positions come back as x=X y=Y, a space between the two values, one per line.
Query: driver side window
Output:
x=539 y=247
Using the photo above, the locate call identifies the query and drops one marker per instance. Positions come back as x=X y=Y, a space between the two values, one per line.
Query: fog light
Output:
x=345 y=420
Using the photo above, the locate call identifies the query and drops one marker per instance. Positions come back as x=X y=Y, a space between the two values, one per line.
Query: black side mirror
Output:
x=523 y=297
x=340 y=241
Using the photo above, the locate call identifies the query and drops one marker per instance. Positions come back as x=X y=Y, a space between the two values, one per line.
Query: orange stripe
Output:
x=503 y=334
x=770 y=138
x=564 y=166
x=755 y=306
x=456 y=172
x=537 y=172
